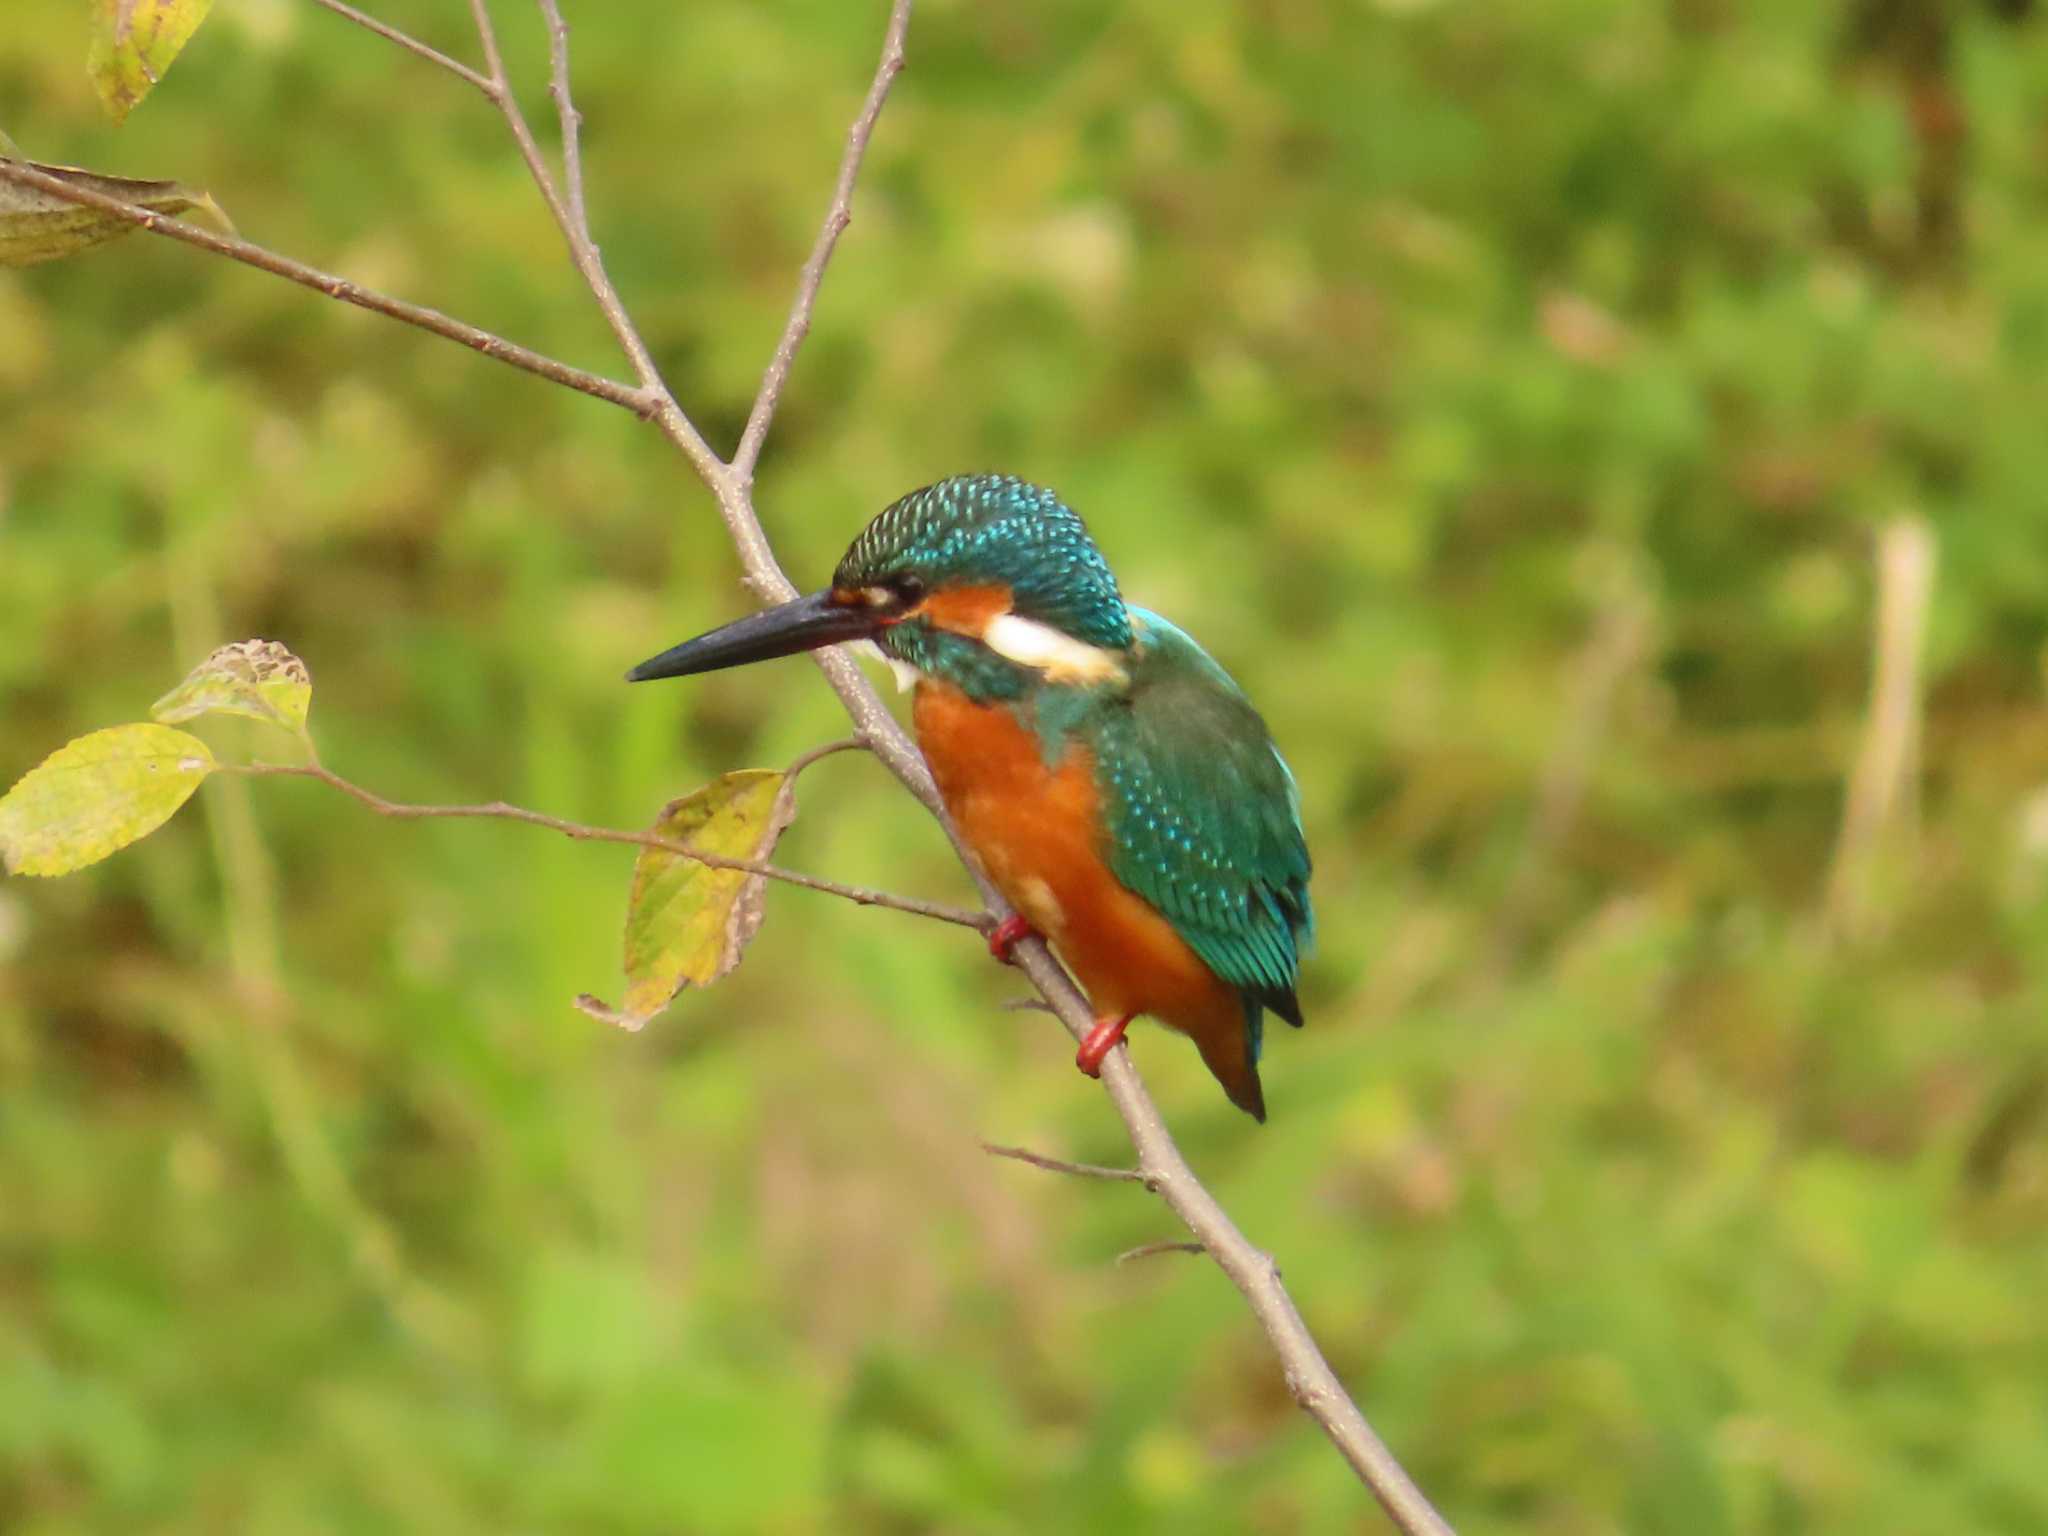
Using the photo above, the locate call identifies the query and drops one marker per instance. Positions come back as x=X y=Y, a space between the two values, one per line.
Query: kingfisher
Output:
x=1113 y=781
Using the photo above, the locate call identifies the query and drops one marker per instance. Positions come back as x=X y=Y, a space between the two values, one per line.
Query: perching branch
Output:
x=1160 y=1164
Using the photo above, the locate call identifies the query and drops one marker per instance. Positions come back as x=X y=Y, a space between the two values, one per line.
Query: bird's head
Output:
x=983 y=581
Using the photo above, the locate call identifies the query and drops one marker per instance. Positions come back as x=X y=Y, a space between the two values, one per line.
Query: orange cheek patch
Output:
x=965 y=610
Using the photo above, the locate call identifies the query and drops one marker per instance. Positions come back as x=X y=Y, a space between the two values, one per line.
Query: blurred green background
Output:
x=1516 y=398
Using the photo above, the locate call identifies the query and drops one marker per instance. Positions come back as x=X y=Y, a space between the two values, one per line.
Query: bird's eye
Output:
x=907 y=589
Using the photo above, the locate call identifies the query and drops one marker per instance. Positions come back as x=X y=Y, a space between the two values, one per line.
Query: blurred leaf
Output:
x=37 y=226
x=96 y=795
x=688 y=924
x=134 y=42
x=256 y=678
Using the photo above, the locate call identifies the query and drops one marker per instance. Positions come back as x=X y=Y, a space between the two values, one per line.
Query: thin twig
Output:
x=1147 y=1250
x=410 y=44
x=498 y=810
x=638 y=401
x=1060 y=1165
x=844 y=744
x=785 y=797
x=508 y=104
x=836 y=219
x=589 y=262
x=566 y=113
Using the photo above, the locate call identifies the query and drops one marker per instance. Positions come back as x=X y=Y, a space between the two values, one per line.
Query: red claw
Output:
x=1105 y=1037
x=1007 y=935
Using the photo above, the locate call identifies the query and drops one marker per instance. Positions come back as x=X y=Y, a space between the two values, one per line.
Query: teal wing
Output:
x=1205 y=821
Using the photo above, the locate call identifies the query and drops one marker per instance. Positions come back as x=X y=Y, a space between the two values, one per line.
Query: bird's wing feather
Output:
x=1204 y=818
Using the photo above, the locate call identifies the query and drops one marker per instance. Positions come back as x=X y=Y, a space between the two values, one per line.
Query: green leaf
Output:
x=256 y=678
x=38 y=226
x=687 y=924
x=134 y=42
x=96 y=795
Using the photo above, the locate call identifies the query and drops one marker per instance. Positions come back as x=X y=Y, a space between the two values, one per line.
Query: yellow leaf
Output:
x=687 y=924
x=256 y=678
x=134 y=42
x=98 y=794
x=38 y=226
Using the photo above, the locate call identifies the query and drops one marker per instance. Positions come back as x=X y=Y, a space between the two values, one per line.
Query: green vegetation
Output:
x=1515 y=398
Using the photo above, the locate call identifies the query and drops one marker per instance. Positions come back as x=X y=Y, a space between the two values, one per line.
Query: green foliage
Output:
x=1431 y=363
x=36 y=226
x=256 y=679
x=687 y=924
x=133 y=43
x=97 y=795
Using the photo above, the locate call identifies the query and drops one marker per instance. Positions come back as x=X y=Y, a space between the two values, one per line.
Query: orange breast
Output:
x=1038 y=832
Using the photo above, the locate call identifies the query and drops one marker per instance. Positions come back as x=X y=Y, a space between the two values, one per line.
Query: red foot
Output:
x=1007 y=935
x=1105 y=1037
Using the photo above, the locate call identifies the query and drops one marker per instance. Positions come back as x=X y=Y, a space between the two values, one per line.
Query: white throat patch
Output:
x=905 y=674
x=1061 y=657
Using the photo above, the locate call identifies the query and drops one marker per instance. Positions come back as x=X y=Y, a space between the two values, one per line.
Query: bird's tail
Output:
x=1227 y=1054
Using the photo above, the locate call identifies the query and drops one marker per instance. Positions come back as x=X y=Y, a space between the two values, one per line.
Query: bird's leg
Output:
x=1105 y=1037
x=1007 y=935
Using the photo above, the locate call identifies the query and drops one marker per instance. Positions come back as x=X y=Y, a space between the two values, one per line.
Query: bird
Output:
x=1111 y=779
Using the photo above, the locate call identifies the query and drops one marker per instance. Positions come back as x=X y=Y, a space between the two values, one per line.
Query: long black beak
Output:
x=801 y=625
